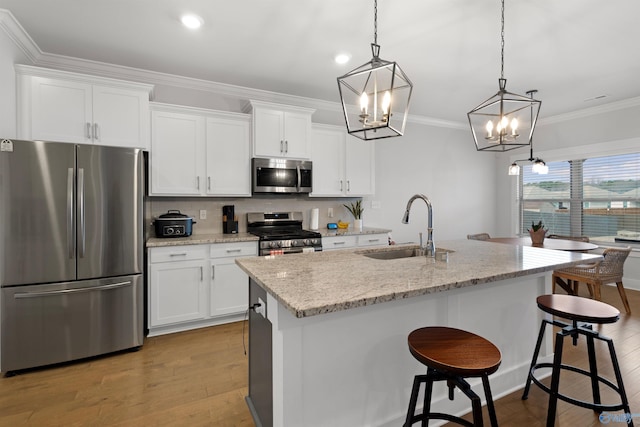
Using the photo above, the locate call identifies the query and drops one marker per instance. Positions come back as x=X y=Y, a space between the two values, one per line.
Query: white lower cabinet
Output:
x=353 y=241
x=196 y=285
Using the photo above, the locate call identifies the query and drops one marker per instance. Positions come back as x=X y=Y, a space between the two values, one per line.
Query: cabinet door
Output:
x=229 y=288
x=120 y=117
x=359 y=167
x=327 y=155
x=60 y=111
x=297 y=135
x=268 y=133
x=228 y=157
x=177 y=154
x=177 y=292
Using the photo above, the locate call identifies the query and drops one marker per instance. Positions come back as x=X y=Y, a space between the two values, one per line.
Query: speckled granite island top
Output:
x=324 y=282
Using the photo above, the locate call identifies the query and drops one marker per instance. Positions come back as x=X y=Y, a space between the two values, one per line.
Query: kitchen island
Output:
x=328 y=344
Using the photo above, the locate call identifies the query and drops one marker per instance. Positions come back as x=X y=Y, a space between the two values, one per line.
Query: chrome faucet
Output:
x=430 y=247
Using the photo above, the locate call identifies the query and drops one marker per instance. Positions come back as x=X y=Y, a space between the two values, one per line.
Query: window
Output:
x=597 y=197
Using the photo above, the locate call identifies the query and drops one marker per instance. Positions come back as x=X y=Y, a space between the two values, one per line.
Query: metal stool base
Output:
x=574 y=330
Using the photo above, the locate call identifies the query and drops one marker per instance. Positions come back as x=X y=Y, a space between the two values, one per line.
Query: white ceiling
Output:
x=571 y=51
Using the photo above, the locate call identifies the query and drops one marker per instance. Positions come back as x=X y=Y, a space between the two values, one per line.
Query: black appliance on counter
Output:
x=281 y=233
x=173 y=224
x=229 y=220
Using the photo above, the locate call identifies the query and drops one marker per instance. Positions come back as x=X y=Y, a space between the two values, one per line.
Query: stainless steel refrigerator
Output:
x=71 y=251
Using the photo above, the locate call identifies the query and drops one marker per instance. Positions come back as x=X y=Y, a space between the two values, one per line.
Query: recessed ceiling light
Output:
x=191 y=21
x=342 y=58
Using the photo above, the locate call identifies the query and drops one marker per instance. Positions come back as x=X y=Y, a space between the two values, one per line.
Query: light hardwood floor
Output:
x=199 y=378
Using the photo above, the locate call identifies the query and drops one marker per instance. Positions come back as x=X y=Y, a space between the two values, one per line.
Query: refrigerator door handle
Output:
x=70 y=291
x=71 y=236
x=81 y=218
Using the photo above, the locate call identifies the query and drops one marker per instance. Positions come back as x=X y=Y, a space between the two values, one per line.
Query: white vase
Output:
x=357 y=225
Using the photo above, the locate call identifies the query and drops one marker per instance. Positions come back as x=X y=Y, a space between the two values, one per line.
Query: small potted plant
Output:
x=356 y=210
x=537 y=233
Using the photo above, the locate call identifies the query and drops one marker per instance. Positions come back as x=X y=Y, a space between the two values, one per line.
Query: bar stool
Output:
x=452 y=355
x=577 y=309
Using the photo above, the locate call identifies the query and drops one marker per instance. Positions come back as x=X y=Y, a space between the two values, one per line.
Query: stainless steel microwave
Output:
x=281 y=176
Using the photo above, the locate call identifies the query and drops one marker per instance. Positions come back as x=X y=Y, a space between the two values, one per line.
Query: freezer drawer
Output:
x=46 y=324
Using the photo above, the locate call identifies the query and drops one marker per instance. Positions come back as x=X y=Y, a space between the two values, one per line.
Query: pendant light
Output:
x=496 y=122
x=539 y=166
x=375 y=96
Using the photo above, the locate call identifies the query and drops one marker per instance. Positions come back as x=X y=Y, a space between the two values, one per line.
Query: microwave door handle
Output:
x=299 y=177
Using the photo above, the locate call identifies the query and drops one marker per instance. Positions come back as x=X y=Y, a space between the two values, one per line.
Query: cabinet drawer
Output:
x=178 y=253
x=222 y=250
x=339 y=242
x=373 y=240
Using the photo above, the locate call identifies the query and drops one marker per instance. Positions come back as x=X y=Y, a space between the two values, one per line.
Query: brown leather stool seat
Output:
x=577 y=309
x=452 y=355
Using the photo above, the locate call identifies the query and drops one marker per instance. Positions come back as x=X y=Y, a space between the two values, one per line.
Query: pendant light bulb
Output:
x=514 y=169
x=364 y=103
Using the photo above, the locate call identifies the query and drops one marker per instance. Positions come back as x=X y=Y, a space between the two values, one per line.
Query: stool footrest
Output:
x=439 y=416
x=600 y=407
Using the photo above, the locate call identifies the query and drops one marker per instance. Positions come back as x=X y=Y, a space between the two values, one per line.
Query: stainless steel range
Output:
x=281 y=233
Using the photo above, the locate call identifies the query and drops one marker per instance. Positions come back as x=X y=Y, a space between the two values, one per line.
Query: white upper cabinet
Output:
x=69 y=107
x=197 y=152
x=343 y=166
x=177 y=159
x=280 y=130
x=229 y=156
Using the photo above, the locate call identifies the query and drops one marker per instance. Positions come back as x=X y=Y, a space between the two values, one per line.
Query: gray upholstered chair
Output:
x=609 y=270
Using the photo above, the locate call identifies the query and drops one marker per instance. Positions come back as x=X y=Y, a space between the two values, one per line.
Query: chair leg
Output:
x=555 y=381
x=489 y=397
x=623 y=295
x=593 y=369
x=590 y=287
x=597 y=292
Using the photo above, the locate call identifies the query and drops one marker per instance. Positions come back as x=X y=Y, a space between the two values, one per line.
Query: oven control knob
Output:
x=274 y=244
x=305 y=242
x=294 y=243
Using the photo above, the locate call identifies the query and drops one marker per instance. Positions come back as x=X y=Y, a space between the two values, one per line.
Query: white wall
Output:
x=442 y=164
x=10 y=54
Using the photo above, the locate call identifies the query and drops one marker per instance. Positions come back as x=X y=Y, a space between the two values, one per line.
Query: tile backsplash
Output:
x=192 y=206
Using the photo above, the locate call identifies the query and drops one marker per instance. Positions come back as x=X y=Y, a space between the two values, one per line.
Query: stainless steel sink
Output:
x=395 y=254
x=400 y=253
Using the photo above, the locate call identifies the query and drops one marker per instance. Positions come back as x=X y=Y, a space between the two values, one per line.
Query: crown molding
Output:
x=591 y=111
x=19 y=36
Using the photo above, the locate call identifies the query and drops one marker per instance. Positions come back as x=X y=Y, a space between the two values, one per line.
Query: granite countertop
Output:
x=351 y=232
x=324 y=282
x=200 y=239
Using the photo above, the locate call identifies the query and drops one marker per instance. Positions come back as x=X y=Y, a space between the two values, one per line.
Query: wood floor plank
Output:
x=199 y=378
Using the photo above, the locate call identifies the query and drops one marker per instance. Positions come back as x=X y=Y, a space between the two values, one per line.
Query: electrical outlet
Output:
x=330 y=213
x=262 y=309
x=203 y=214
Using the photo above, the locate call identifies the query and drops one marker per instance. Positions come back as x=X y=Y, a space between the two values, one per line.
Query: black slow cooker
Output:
x=173 y=224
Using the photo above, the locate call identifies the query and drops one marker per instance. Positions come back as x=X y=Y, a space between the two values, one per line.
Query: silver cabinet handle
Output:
x=198 y=182
x=178 y=254
x=209 y=183
x=213 y=272
x=201 y=273
x=88 y=130
x=71 y=232
x=341 y=185
x=281 y=145
x=233 y=250
x=373 y=240
x=70 y=291
x=339 y=243
x=286 y=146
x=96 y=135
x=348 y=185
x=81 y=219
